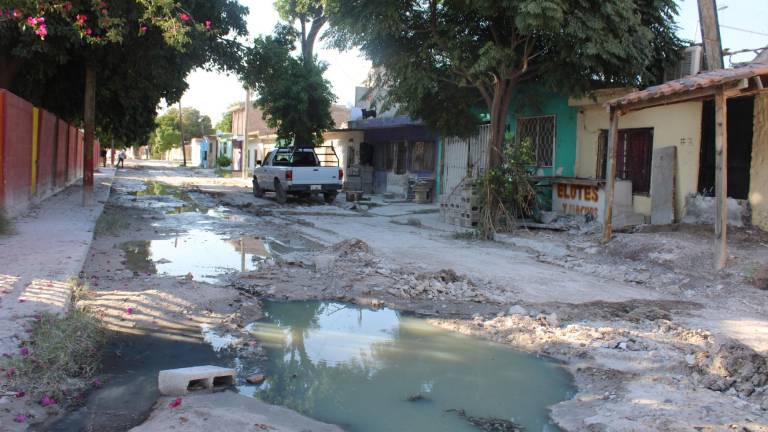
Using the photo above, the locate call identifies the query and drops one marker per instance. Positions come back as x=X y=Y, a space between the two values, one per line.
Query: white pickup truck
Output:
x=296 y=172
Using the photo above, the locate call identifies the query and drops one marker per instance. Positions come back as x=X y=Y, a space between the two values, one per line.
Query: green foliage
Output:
x=440 y=60
x=167 y=134
x=64 y=354
x=225 y=124
x=507 y=192
x=223 y=161
x=292 y=93
x=135 y=68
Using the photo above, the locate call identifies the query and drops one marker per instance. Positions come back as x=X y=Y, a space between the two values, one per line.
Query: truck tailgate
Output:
x=315 y=175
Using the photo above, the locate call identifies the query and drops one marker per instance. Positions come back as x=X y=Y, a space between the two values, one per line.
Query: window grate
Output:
x=541 y=132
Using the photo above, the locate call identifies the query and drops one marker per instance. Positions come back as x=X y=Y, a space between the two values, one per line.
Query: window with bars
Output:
x=541 y=132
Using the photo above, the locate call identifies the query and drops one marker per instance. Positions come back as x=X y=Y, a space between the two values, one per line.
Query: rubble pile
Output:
x=737 y=370
x=441 y=285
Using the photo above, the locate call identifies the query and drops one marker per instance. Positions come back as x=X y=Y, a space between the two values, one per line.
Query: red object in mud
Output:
x=175 y=403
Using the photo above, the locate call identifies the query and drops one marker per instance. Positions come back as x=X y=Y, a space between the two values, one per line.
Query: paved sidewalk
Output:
x=49 y=246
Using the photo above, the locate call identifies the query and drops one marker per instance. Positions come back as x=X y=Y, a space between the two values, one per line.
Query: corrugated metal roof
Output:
x=690 y=83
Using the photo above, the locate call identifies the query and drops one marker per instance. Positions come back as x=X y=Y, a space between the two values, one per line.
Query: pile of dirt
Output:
x=440 y=285
x=735 y=369
x=351 y=247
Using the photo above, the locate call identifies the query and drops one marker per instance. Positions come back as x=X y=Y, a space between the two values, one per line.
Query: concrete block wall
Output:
x=462 y=206
x=40 y=154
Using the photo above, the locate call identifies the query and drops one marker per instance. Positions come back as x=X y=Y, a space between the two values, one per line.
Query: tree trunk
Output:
x=502 y=94
x=89 y=117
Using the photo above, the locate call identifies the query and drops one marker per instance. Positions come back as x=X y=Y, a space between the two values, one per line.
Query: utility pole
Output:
x=90 y=131
x=181 y=132
x=710 y=34
x=243 y=168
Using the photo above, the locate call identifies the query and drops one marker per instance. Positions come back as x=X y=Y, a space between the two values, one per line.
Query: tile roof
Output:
x=691 y=83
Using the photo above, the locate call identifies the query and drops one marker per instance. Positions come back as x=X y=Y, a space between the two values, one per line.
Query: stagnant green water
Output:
x=357 y=368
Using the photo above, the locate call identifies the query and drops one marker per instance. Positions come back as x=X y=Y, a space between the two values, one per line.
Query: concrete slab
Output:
x=228 y=411
x=663 y=173
x=180 y=382
x=50 y=244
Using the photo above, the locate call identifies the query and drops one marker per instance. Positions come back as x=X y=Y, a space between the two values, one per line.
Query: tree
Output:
x=292 y=92
x=441 y=59
x=310 y=16
x=225 y=124
x=167 y=133
x=139 y=51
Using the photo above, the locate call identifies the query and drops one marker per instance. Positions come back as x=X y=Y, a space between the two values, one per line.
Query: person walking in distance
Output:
x=121 y=159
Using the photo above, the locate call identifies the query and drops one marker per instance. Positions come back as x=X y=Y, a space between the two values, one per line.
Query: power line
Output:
x=743 y=30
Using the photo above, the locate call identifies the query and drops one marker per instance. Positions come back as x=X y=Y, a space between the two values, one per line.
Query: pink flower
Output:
x=47 y=401
x=16 y=14
x=175 y=403
x=81 y=19
x=88 y=31
x=42 y=31
x=68 y=6
x=31 y=21
x=24 y=351
x=40 y=20
x=21 y=418
x=20 y=394
x=184 y=17
x=208 y=24
x=129 y=311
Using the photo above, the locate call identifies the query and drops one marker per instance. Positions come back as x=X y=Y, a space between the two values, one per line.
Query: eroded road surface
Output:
x=377 y=316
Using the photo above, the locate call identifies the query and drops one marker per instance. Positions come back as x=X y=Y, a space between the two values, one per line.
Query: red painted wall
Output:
x=17 y=151
x=61 y=153
x=46 y=160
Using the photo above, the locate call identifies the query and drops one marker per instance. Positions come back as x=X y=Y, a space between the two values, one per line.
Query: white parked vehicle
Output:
x=297 y=172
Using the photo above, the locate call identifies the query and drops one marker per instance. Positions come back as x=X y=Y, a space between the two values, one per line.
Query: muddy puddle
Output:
x=369 y=370
x=204 y=254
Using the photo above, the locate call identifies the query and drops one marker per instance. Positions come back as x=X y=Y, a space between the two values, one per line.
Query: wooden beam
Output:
x=688 y=96
x=610 y=175
x=721 y=179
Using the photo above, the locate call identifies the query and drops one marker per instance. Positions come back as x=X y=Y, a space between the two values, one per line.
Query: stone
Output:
x=517 y=310
x=180 y=382
x=256 y=379
x=764 y=405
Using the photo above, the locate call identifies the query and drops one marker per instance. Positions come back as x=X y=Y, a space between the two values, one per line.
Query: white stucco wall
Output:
x=676 y=125
x=758 y=187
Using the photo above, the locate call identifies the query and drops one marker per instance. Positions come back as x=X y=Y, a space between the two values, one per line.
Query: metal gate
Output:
x=464 y=157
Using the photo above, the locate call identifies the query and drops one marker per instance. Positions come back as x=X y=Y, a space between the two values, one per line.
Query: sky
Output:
x=743 y=25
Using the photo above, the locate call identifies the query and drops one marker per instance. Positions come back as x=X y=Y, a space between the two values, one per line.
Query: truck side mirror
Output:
x=258 y=163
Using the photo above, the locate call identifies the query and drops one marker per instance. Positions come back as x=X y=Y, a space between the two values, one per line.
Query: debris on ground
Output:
x=488 y=424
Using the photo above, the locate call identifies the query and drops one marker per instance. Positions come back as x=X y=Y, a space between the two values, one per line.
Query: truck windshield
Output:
x=304 y=159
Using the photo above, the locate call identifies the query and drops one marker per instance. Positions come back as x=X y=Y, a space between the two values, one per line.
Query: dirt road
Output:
x=654 y=340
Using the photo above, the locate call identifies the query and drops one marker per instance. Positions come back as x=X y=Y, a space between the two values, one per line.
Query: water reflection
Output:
x=357 y=368
x=203 y=254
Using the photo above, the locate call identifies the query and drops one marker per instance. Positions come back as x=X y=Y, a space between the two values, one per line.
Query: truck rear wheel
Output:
x=330 y=197
x=258 y=192
x=280 y=195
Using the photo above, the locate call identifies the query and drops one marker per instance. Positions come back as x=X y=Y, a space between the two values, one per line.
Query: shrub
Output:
x=223 y=161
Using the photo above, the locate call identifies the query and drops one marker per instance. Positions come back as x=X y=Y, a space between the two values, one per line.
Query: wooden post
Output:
x=90 y=130
x=610 y=174
x=710 y=34
x=721 y=179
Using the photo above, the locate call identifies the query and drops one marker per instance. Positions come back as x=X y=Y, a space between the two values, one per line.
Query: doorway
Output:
x=740 y=118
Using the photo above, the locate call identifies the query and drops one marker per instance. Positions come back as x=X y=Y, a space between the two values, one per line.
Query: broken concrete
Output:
x=700 y=209
x=663 y=174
